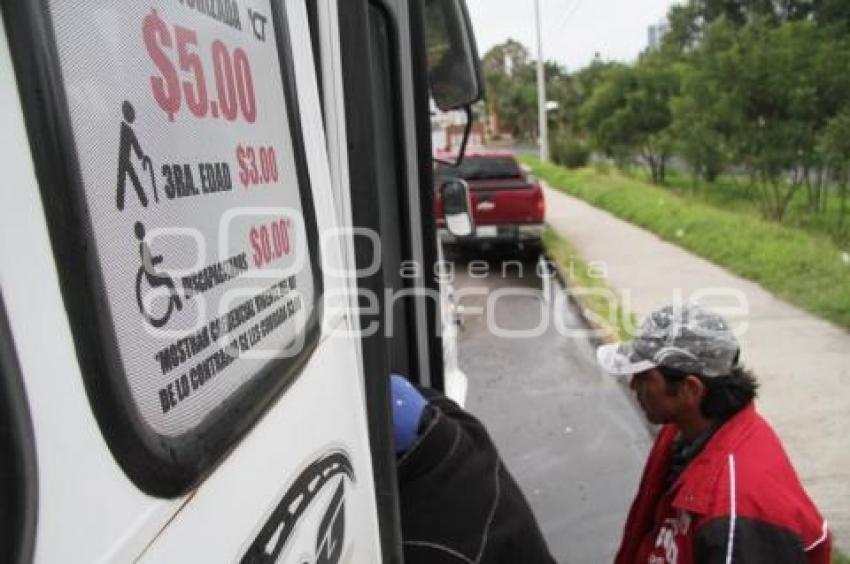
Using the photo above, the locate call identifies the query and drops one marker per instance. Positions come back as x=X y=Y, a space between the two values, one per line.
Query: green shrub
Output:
x=569 y=152
x=602 y=166
x=803 y=268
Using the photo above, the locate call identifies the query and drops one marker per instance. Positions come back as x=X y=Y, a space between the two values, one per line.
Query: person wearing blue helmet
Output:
x=459 y=503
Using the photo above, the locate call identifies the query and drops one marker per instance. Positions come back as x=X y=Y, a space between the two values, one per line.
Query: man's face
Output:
x=661 y=405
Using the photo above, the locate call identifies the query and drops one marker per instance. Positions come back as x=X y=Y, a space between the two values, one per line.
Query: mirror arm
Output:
x=466 y=132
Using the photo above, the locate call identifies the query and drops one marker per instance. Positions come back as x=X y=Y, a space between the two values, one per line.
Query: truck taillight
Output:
x=540 y=205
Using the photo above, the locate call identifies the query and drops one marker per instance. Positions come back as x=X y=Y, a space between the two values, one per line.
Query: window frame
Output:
x=18 y=466
x=158 y=465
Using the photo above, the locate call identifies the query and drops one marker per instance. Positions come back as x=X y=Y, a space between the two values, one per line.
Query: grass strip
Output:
x=608 y=314
x=801 y=268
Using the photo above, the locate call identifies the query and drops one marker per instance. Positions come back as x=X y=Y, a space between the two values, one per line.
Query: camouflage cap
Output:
x=685 y=337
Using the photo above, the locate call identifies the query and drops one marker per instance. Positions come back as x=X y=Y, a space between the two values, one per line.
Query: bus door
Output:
x=196 y=394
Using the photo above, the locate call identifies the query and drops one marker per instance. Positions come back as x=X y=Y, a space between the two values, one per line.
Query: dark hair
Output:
x=724 y=395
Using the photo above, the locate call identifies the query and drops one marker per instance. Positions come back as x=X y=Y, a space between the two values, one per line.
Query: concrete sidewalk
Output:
x=802 y=362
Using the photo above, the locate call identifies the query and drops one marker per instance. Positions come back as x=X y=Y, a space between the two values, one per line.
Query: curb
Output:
x=568 y=282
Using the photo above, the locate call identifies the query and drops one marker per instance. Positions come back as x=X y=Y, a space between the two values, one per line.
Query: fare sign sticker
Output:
x=179 y=121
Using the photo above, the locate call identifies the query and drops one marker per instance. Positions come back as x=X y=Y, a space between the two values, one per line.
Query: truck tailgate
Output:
x=506 y=202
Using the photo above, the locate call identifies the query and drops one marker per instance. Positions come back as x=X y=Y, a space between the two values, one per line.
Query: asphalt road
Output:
x=570 y=435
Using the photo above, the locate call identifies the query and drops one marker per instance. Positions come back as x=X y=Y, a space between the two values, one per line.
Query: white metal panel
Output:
x=334 y=106
x=315 y=146
x=88 y=510
x=326 y=142
x=335 y=229
x=451 y=315
x=337 y=149
x=230 y=507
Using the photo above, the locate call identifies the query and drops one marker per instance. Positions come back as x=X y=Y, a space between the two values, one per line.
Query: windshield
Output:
x=473 y=168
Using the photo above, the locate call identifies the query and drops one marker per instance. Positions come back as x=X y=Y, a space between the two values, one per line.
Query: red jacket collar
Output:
x=695 y=488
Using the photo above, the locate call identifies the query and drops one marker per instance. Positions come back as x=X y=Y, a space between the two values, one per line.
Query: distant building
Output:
x=657 y=33
x=447 y=131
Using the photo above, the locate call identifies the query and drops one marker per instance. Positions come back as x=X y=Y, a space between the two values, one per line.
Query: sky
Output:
x=573 y=30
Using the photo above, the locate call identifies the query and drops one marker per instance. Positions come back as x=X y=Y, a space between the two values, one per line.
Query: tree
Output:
x=833 y=13
x=742 y=12
x=705 y=114
x=511 y=79
x=685 y=28
x=689 y=21
x=760 y=96
x=787 y=89
x=835 y=144
x=585 y=81
x=509 y=96
x=629 y=113
x=501 y=59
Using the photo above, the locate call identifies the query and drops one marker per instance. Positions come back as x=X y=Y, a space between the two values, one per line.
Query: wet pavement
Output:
x=571 y=436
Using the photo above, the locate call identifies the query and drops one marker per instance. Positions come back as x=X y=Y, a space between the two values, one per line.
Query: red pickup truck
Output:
x=507 y=203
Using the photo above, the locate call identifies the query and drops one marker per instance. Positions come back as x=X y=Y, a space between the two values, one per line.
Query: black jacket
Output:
x=459 y=504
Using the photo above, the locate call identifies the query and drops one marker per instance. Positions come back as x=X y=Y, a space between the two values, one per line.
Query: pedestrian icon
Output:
x=129 y=142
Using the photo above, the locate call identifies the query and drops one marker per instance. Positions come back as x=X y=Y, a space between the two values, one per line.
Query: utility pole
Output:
x=543 y=125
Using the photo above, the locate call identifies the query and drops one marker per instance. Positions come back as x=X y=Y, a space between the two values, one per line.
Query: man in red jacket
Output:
x=718 y=486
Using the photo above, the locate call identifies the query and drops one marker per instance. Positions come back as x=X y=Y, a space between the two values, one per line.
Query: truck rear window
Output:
x=476 y=168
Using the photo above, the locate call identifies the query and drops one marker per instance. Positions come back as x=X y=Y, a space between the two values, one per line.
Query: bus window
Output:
x=181 y=215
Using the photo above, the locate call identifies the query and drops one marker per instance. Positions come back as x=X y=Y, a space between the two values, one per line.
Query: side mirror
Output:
x=454 y=70
x=457 y=207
